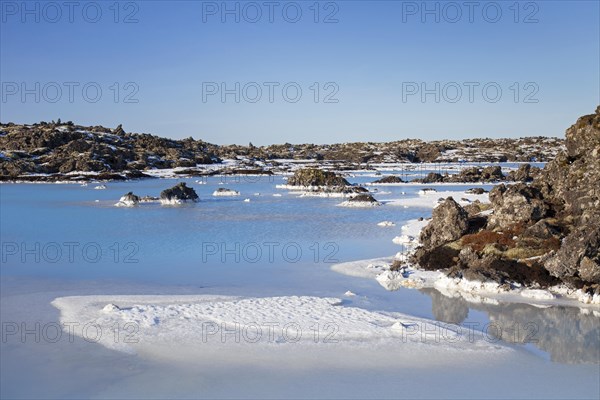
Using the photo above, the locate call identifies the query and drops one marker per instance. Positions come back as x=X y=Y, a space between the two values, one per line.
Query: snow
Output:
x=386 y=223
x=125 y=202
x=359 y=204
x=165 y=323
x=431 y=199
x=225 y=193
x=404 y=239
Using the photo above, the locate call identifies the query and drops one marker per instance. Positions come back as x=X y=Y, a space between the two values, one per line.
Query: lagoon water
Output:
x=67 y=239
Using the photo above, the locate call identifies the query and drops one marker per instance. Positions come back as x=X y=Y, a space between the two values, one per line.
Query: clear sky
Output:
x=367 y=70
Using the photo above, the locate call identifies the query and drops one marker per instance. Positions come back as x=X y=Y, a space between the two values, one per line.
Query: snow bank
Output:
x=148 y=323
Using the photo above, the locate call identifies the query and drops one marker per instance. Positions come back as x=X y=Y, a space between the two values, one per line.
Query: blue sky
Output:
x=376 y=60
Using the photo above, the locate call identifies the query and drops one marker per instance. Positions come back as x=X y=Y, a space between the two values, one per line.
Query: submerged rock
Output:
x=178 y=194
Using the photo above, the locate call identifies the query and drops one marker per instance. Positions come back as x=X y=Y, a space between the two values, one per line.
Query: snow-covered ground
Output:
x=166 y=324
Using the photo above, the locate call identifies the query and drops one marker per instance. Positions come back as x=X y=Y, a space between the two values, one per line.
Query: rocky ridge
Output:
x=52 y=151
x=538 y=234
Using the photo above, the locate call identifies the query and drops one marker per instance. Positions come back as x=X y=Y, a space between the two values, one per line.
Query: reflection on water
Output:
x=446 y=309
x=567 y=334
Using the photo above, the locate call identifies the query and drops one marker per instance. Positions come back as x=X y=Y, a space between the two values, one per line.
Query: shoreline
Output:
x=472 y=291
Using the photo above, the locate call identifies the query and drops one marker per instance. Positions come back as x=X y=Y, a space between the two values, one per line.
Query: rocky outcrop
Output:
x=578 y=258
x=525 y=173
x=516 y=203
x=448 y=223
x=308 y=177
x=467 y=175
x=541 y=231
x=128 y=200
x=57 y=149
x=179 y=193
x=390 y=179
x=361 y=200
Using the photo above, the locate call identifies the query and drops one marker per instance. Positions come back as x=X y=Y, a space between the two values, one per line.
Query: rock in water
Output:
x=179 y=193
x=361 y=200
x=129 y=200
x=224 y=192
x=389 y=179
x=316 y=177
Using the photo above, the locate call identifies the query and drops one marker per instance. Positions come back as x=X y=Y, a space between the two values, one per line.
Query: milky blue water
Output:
x=64 y=239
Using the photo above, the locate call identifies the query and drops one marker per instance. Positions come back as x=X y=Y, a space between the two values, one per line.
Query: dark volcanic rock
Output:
x=433 y=177
x=578 y=256
x=316 y=177
x=476 y=191
x=449 y=222
x=389 y=179
x=525 y=173
x=65 y=148
x=516 y=203
x=543 y=230
x=179 y=193
x=363 y=198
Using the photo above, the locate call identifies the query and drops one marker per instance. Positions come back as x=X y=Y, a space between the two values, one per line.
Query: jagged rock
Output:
x=64 y=148
x=568 y=262
x=492 y=173
x=541 y=230
x=128 y=200
x=525 y=173
x=449 y=222
x=119 y=130
x=433 y=177
x=490 y=268
x=589 y=270
x=178 y=194
x=572 y=180
x=363 y=198
x=316 y=177
x=476 y=191
x=389 y=179
x=516 y=203
x=437 y=258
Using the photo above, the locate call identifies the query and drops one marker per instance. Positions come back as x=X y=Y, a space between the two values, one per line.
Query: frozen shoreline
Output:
x=471 y=291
